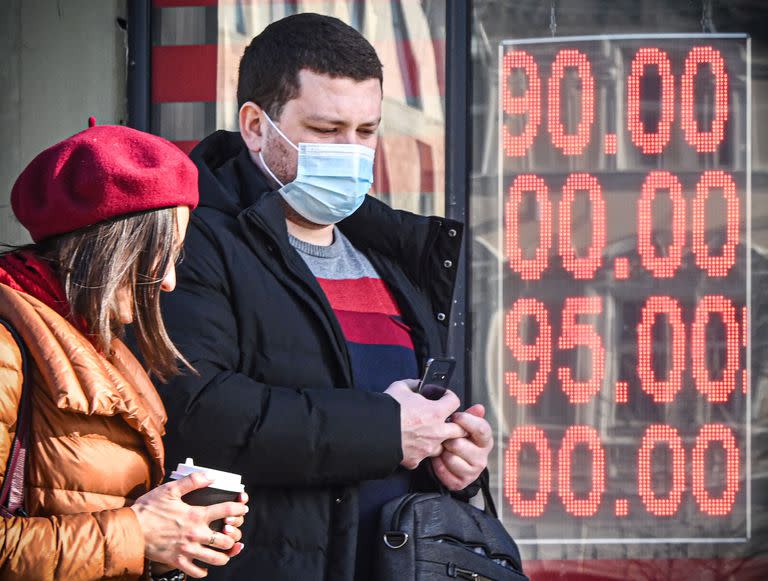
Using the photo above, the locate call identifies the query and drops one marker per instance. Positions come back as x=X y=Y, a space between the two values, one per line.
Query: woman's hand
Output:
x=232 y=526
x=176 y=533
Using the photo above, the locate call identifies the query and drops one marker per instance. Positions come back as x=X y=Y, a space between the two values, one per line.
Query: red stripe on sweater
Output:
x=362 y=295
x=374 y=329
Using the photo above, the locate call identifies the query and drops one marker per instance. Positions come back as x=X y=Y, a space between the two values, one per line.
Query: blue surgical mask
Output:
x=331 y=182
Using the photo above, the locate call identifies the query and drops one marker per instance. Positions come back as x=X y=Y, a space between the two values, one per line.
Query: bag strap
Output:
x=12 y=492
x=489 y=506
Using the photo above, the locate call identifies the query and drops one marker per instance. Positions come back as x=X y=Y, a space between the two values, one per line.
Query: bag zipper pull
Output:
x=459 y=573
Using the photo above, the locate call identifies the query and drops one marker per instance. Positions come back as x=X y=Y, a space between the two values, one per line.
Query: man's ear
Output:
x=251 y=126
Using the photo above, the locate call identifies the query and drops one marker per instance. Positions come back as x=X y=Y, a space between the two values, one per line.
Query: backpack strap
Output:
x=12 y=492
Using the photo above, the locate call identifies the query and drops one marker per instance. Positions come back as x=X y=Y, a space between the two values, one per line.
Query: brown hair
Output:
x=94 y=263
x=269 y=68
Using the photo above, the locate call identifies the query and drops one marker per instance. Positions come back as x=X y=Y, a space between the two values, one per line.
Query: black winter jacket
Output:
x=272 y=399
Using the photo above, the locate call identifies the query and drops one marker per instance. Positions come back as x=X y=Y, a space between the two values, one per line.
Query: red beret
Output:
x=101 y=173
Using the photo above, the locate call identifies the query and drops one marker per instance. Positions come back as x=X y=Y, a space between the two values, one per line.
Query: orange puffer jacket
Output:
x=95 y=446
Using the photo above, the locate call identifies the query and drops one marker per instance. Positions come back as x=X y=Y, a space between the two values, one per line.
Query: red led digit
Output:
x=622 y=507
x=704 y=141
x=744 y=340
x=661 y=391
x=621 y=268
x=651 y=142
x=610 y=144
x=531 y=268
x=571 y=143
x=661 y=505
x=724 y=504
x=530 y=436
x=574 y=436
x=527 y=104
x=716 y=266
x=744 y=381
x=622 y=392
x=540 y=350
x=715 y=390
x=583 y=267
x=661 y=266
x=575 y=334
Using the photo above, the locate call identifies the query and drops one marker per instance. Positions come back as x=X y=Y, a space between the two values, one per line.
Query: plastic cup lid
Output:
x=221 y=480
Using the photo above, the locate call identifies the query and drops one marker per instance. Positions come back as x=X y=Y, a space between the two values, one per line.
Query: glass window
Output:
x=619 y=228
x=197 y=50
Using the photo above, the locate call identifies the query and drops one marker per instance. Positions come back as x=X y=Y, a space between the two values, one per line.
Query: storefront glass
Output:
x=619 y=245
x=197 y=50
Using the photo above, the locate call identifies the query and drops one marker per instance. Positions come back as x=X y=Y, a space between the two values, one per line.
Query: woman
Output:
x=108 y=210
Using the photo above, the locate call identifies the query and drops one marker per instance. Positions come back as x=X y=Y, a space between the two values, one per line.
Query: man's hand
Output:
x=463 y=459
x=422 y=422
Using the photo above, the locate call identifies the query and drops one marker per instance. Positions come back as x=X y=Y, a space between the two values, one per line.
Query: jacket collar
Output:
x=426 y=248
x=400 y=235
x=81 y=380
x=25 y=271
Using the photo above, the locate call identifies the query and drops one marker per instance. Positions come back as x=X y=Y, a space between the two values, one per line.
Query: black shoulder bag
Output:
x=435 y=537
x=12 y=492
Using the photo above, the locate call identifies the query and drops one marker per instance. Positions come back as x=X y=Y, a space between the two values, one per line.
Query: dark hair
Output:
x=269 y=69
x=94 y=263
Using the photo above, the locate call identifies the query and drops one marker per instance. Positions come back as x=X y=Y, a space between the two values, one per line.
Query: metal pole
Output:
x=457 y=163
x=139 y=64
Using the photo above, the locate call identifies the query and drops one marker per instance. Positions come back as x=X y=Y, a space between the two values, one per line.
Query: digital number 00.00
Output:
x=667 y=504
x=585 y=267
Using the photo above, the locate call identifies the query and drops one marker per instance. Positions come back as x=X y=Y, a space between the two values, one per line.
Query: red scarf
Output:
x=24 y=271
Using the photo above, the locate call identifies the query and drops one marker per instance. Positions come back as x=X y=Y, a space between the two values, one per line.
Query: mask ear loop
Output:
x=276 y=128
x=269 y=171
x=261 y=156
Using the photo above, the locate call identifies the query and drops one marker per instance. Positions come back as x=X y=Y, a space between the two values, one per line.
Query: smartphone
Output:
x=437 y=376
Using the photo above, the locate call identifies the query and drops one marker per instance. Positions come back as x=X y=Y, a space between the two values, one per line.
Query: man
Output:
x=305 y=306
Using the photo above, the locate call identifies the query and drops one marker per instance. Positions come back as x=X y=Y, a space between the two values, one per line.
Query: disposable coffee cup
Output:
x=226 y=487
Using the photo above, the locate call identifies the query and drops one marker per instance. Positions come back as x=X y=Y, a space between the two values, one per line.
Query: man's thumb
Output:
x=476 y=410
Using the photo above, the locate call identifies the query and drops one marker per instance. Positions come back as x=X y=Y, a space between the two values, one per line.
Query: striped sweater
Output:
x=380 y=348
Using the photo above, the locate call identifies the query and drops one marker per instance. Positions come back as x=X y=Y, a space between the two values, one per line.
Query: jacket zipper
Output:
x=458 y=573
x=434 y=232
x=338 y=334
